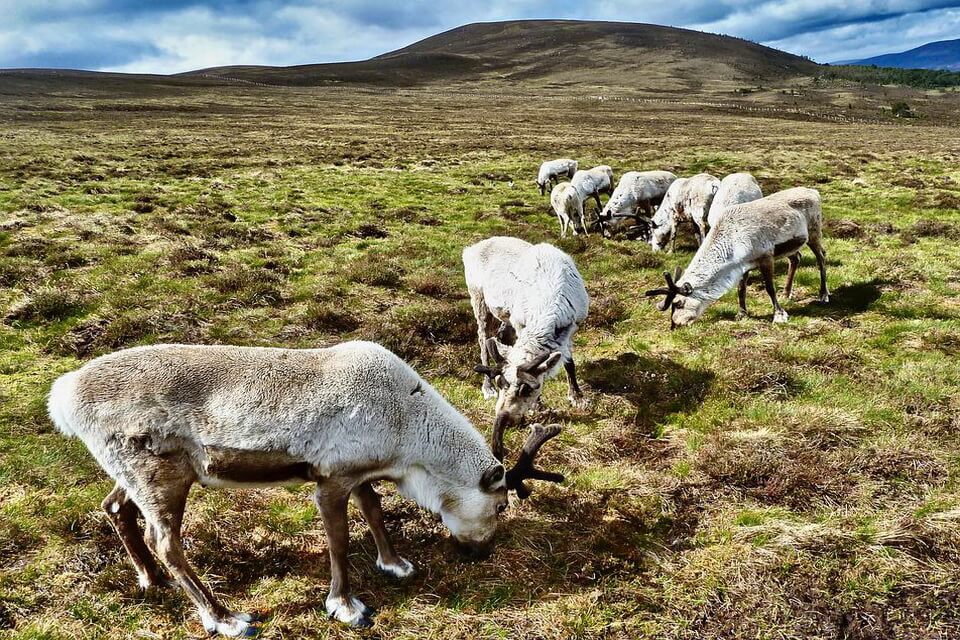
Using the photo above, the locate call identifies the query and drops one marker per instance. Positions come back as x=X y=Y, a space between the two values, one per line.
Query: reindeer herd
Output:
x=159 y=419
x=737 y=229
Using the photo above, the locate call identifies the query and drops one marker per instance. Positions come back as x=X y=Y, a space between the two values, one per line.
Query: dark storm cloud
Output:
x=111 y=55
x=176 y=35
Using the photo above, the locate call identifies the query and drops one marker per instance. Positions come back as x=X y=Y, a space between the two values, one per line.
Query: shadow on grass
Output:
x=846 y=300
x=656 y=387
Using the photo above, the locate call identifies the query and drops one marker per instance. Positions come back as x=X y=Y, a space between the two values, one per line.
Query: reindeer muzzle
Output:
x=473 y=552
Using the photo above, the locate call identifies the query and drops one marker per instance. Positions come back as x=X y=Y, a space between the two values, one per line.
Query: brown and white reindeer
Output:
x=159 y=419
x=533 y=297
x=748 y=236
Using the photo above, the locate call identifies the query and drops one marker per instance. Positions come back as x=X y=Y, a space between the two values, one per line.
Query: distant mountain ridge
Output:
x=943 y=54
x=552 y=53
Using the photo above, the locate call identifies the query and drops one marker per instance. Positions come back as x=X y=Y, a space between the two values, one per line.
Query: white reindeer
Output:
x=551 y=171
x=160 y=418
x=533 y=297
x=687 y=201
x=637 y=191
x=592 y=182
x=748 y=236
x=566 y=203
x=735 y=188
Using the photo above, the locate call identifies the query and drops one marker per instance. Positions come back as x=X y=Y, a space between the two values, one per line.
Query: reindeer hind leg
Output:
x=123 y=516
x=159 y=487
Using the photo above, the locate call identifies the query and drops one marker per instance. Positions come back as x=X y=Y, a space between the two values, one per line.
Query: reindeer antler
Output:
x=524 y=469
x=672 y=289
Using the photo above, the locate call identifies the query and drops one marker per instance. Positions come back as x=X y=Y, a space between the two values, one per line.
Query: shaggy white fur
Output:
x=735 y=188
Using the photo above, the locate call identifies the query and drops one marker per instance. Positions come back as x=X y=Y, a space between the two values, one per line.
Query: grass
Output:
x=733 y=479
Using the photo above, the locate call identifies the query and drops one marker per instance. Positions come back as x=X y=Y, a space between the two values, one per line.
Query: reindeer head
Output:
x=519 y=378
x=680 y=300
x=473 y=518
x=660 y=234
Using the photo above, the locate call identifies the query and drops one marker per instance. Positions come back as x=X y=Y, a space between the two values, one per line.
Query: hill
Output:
x=944 y=54
x=552 y=53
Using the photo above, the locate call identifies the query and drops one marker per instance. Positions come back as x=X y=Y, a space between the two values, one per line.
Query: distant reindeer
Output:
x=159 y=419
x=552 y=170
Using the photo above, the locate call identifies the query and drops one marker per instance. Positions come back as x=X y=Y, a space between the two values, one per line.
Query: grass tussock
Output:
x=46 y=304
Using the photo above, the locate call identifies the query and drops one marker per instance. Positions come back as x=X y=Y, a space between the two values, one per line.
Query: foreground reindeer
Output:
x=160 y=418
x=748 y=236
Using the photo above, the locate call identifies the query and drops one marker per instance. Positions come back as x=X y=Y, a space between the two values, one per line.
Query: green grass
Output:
x=733 y=479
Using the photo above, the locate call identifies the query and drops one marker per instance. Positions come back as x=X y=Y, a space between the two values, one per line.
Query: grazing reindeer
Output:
x=534 y=295
x=748 y=236
x=566 y=203
x=159 y=419
x=687 y=200
x=636 y=191
x=735 y=188
x=552 y=170
x=593 y=182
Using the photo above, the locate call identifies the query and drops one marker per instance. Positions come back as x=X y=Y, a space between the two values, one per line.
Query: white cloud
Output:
x=857 y=41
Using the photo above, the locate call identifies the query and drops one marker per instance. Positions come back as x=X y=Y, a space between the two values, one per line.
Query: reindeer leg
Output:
x=766 y=270
x=486 y=328
x=821 y=255
x=574 y=394
x=791 y=272
x=388 y=561
x=159 y=486
x=123 y=516
x=596 y=196
x=341 y=604
x=742 y=296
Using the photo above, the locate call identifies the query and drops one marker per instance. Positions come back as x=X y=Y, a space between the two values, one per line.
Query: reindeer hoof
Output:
x=349 y=610
x=579 y=402
x=151 y=583
x=825 y=298
x=780 y=317
x=401 y=569
x=741 y=315
x=233 y=625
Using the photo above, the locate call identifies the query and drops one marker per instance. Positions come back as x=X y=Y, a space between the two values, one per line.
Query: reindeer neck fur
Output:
x=715 y=267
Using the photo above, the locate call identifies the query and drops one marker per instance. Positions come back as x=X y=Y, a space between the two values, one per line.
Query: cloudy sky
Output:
x=168 y=36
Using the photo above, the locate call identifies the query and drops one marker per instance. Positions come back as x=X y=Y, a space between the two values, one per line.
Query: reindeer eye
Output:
x=498 y=381
x=524 y=389
x=678 y=304
x=501 y=507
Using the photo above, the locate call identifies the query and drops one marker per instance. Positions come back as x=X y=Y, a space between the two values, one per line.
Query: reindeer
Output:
x=162 y=418
x=533 y=297
x=748 y=236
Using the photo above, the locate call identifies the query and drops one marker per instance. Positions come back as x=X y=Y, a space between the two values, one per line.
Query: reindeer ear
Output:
x=549 y=363
x=496 y=350
x=492 y=477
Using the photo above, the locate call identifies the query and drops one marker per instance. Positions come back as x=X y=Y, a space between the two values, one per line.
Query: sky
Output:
x=170 y=36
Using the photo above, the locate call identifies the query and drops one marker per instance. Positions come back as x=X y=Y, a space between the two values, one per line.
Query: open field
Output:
x=732 y=479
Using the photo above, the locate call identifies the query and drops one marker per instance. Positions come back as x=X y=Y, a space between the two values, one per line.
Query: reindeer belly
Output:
x=789 y=247
x=226 y=466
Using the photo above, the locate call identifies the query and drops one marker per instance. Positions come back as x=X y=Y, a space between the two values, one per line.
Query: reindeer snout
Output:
x=474 y=551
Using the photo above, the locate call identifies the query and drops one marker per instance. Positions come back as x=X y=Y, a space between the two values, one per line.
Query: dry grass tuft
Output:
x=375 y=271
